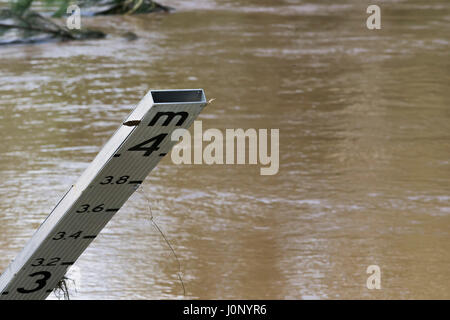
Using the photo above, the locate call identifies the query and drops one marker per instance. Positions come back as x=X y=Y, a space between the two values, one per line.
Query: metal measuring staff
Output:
x=112 y=177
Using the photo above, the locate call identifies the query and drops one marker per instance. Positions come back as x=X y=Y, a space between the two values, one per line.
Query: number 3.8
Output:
x=109 y=179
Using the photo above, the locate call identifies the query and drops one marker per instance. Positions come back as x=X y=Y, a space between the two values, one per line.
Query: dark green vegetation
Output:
x=108 y=7
x=20 y=24
x=31 y=27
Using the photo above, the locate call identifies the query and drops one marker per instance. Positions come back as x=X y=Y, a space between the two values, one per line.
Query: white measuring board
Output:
x=112 y=177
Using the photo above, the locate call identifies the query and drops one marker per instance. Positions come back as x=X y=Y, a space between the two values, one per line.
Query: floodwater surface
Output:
x=364 y=178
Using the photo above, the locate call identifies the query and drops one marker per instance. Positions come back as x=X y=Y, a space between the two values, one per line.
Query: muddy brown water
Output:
x=364 y=150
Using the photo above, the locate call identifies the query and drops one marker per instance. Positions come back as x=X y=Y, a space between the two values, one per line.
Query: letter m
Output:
x=169 y=117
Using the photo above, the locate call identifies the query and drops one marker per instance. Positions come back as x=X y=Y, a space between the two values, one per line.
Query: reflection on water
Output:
x=364 y=149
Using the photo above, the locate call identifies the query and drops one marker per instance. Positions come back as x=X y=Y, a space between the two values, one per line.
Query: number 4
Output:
x=156 y=141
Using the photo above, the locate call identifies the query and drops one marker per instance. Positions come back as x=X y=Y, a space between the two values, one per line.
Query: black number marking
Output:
x=98 y=208
x=53 y=262
x=108 y=180
x=62 y=235
x=40 y=282
x=40 y=262
x=59 y=236
x=122 y=180
x=76 y=235
x=156 y=141
x=84 y=208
